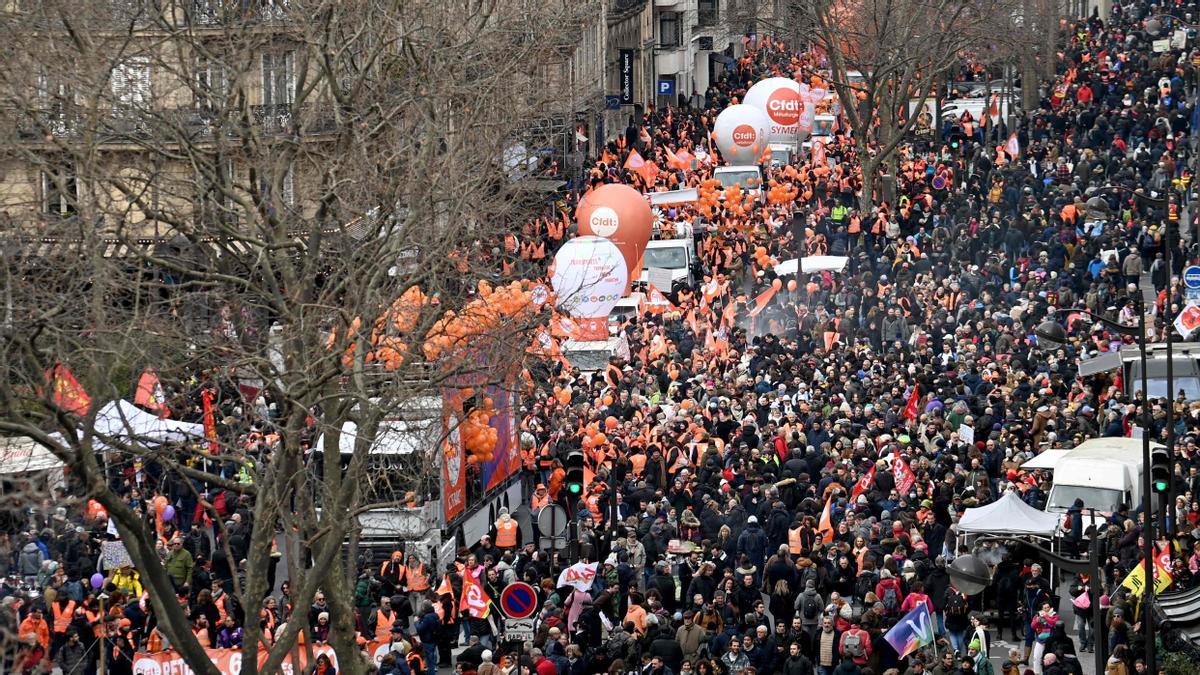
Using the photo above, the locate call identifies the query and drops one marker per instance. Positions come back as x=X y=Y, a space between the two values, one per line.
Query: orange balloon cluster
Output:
x=562 y=395
x=394 y=330
x=763 y=259
x=479 y=438
x=593 y=437
x=709 y=196
x=485 y=315
x=781 y=193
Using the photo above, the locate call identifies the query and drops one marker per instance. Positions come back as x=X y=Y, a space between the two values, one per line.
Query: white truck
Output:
x=749 y=176
x=676 y=256
x=1104 y=472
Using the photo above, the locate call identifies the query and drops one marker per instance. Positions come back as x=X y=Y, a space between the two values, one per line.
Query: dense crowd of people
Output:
x=726 y=435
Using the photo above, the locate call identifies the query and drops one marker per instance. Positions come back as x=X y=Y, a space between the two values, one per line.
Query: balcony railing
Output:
x=218 y=12
x=193 y=123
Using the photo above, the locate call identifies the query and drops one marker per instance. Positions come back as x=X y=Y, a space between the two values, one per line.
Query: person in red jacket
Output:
x=856 y=645
x=541 y=664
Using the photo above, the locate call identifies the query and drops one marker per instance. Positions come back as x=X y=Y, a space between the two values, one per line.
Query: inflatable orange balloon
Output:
x=622 y=215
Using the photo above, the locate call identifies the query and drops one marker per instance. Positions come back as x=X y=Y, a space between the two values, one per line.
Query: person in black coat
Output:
x=665 y=584
x=666 y=647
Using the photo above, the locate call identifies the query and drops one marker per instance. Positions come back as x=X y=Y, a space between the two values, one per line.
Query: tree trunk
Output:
x=341 y=620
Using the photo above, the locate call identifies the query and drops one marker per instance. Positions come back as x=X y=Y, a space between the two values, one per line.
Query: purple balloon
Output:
x=97 y=580
x=169 y=513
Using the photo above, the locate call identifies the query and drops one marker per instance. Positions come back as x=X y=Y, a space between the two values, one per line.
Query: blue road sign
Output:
x=666 y=87
x=1191 y=276
x=518 y=600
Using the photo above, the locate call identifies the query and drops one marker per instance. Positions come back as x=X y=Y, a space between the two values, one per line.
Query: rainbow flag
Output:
x=914 y=630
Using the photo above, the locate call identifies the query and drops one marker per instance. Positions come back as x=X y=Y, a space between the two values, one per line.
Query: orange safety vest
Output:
x=418 y=580
x=795 y=541
x=593 y=505
x=202 y=636
x=383 y=626
x=97 y=621
x=154 y=642
x=506 y=533
x=540 y=502
x=62 y=617
x=221 y=611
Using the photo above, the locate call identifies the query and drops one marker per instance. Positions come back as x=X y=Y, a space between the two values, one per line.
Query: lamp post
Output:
x=970 y=575
x=1054 y=333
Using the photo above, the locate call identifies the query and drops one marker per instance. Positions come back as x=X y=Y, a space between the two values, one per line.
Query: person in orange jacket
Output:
x=35 y=624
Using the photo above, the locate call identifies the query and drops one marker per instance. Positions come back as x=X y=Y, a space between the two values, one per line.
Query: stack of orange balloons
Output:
x=479 y=438
x=709 y=198
x=781 y=193
x=762 y=258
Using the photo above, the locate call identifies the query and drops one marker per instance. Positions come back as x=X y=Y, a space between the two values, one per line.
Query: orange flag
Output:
x=760 y=303
x=825 y=527
x=634 y=161
x=150 y=393
x=445 y=588
x=66 y=392
x=656 y=302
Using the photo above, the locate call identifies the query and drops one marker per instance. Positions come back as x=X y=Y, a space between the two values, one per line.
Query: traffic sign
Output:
x=552 y=520
x=518 y=600
x=518 y=629
x=1191 y=276
x=666 y=87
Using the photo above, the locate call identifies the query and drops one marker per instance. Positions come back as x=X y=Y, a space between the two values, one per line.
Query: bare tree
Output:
x=271 y=176
x=898 y=50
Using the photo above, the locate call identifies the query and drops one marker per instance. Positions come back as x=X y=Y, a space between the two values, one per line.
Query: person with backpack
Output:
x=889 y=593
x=809 y=606
x=856 y=644
x=957 y=618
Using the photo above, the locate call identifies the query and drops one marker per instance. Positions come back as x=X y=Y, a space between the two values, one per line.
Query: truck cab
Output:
x=677 y=256
x=749 y=176
x=822 y=131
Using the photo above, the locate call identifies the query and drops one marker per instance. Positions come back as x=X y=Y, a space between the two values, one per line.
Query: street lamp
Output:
x=968 y=570
x=1054 y=333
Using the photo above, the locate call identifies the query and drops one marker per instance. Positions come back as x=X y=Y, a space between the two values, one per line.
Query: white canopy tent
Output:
x=812 y=263
x=122 y=419
x=1008 y=516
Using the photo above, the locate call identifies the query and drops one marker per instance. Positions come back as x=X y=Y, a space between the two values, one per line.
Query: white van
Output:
x=1103 y=472
x=674 y=255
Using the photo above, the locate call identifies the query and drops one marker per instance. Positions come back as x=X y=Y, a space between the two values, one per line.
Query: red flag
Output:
x=863 y=484
x=150 y=394
x=65 y=390
x=905 y=478
x=825 y=527
x=914 y=400
x=475 y=600
x=210 y=422
x=760 y=303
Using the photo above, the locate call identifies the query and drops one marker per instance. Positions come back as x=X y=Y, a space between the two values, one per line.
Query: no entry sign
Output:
x=518 y=600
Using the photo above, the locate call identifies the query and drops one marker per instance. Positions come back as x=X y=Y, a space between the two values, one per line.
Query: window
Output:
x=708 y=11
x=668 y=29
x=287 y=189
x=55 y=100
x=131 y=83
x=277 y=72
x=60 y=192
x=212 y=85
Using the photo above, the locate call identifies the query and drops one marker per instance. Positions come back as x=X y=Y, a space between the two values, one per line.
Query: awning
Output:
x=1008 y=516
x=22 y=454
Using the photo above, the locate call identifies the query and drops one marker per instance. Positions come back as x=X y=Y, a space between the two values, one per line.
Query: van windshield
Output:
x=748 y=179
x=589 y=360
x=822 y=127
x=672 y=258
x=1100 y=499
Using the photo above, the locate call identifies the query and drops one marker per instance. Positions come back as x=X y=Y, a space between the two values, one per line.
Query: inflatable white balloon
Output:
x=741 y=133
x=780 y=99
x=589 y=277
